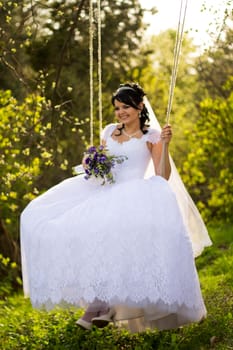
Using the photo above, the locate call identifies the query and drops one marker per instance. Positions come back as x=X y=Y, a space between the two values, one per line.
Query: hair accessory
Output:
x=125 y=88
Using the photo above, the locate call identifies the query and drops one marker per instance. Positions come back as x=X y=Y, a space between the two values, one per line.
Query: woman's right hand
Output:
x=166 y=134
x=84 y=161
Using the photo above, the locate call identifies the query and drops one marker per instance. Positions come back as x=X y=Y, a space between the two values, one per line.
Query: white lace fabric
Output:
x=124 y=243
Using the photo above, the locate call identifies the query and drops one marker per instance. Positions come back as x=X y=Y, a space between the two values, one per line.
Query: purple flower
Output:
x=87 y=160
x=91 y=149
x=98 y=163
x=102 y=158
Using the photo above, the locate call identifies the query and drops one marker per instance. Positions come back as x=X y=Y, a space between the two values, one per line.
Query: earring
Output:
x=139 y=115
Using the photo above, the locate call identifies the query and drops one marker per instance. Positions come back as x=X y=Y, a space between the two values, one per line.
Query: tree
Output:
x=208 y=170
x=215 y=67
x=209 y=167
x=25 y=155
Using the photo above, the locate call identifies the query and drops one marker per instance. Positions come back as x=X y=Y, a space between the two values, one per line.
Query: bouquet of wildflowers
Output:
x=99 y=163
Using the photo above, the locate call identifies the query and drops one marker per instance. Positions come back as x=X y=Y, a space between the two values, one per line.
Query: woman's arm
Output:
x=160 y=153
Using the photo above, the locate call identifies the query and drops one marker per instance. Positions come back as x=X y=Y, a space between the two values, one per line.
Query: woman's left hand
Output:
x=166 y=133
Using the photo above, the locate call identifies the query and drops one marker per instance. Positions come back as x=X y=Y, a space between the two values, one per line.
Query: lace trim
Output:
x=152 y=136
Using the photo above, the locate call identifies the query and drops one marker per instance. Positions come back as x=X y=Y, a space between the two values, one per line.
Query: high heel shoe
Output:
x=84 y=324
x=103 y=320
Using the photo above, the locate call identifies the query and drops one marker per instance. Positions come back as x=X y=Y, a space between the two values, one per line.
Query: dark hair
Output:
x=132 y=94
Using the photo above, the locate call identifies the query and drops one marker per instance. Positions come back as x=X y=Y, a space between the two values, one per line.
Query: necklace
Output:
x=130 y=136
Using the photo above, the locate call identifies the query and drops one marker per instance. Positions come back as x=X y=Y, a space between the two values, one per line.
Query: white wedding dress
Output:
x=124 y=243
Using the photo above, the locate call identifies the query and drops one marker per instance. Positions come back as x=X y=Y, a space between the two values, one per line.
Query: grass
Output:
x=23 y=328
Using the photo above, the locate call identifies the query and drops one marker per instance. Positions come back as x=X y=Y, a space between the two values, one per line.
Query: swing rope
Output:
x=177 y=50
x=91 y=67
x=99 y=67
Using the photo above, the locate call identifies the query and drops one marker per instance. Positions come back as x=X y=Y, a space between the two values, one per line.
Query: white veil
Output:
x=191 y=216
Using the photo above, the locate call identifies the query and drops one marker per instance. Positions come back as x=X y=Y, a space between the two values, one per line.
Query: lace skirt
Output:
x=125 y=244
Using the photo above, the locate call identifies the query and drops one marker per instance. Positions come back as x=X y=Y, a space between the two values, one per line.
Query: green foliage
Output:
x=201 y=116
x=209 y=167
x=46 y=46
x=22 y=327
x=25 y=150
x=9 y=277
x=155 y=78
x=214 y=66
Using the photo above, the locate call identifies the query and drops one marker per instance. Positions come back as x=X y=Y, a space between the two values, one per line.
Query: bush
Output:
x=9 y=272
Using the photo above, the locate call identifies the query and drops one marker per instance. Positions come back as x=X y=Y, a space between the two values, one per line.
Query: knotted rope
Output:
x=177 y=51
x=91 y=68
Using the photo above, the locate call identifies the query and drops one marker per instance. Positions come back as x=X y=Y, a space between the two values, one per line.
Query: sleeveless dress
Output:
x=124 y=243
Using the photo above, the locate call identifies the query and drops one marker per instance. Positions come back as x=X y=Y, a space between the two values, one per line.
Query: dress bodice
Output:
x=135 y=149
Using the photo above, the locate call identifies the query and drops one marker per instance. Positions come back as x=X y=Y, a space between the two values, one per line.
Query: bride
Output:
x=124 y=251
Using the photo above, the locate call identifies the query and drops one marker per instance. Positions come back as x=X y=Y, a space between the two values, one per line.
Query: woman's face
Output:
x=125 y=113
